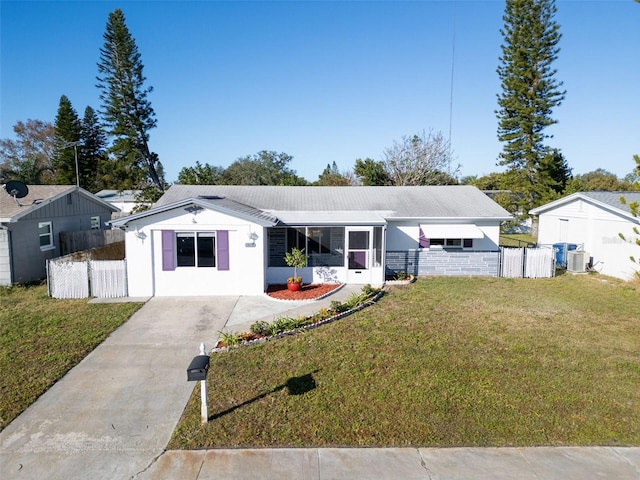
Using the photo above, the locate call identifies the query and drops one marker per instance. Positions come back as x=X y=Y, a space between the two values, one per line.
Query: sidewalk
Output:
x=535 y=463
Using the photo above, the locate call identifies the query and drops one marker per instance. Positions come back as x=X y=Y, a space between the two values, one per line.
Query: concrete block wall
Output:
x=442 y=262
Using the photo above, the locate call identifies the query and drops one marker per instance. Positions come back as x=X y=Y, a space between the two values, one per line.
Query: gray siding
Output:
x=29 y=262
x=70 y=213
x=75 y=208
x=443 y=262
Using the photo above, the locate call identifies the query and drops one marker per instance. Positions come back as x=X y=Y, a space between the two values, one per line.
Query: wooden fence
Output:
x=71 y=242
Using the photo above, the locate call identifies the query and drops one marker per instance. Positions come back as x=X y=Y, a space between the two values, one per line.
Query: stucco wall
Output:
x=405 y=236
x=144 y=257
x=443 y=262
x=597 y=228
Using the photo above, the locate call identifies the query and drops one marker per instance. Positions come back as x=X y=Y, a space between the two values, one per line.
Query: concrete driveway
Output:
x=113 y=414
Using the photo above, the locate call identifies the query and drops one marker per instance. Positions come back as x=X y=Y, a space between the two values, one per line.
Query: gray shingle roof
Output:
x=457 y=201
x=38 y=195
x=613 y=198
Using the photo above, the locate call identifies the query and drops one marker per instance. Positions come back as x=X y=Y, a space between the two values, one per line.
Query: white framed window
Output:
x=195 y=249
x=45 y=231
x=95 y=223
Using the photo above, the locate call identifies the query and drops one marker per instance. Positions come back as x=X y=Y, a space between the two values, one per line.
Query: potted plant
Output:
x=296 y=259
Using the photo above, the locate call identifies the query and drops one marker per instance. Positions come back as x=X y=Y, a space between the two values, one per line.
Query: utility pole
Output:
x=75 y=148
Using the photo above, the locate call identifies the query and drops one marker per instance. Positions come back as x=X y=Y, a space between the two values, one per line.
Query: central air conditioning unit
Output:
x=577 y=261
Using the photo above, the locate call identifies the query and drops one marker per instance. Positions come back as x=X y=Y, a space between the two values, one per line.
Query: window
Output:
x=195 y=249
x=45 y=231
x=452 y=242
x=95 y=223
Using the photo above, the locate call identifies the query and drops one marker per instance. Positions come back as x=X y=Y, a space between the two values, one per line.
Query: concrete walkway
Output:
x=112 y=415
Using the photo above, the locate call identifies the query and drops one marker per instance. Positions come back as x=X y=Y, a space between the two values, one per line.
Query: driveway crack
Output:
x=151 y=463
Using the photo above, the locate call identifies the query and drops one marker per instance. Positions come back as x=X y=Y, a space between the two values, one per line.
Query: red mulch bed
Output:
x=307 y=292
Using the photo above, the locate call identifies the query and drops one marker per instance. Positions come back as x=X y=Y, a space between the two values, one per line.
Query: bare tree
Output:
x=423 y=159
x=29 y=157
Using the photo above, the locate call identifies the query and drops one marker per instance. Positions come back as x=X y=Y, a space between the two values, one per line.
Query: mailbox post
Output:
x=197 y=370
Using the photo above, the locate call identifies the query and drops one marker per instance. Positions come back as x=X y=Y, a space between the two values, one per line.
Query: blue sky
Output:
x=327 y=81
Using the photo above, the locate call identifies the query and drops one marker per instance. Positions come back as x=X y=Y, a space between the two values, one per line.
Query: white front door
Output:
x=358 y=255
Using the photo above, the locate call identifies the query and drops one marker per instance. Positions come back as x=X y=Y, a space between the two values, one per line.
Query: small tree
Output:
x=296 y=259
x=634 y=208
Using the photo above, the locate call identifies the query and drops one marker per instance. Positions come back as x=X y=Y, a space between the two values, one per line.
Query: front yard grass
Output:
x=441 y=362
x=42 y=338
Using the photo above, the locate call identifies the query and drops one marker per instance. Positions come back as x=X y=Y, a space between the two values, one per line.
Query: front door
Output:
x=358 y=253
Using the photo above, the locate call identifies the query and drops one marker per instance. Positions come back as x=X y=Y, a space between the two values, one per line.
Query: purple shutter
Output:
x=222 y=242
x=423 y=241
x=168 y=256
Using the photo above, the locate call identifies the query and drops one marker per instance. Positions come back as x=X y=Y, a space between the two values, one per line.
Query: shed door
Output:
x=563 y=230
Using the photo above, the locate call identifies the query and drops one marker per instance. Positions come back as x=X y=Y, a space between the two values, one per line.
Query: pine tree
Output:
x=92 y=154
x=126 y=110
x=67 y=138
x=529 y=94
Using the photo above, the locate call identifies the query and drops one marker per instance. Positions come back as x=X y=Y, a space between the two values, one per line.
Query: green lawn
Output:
x=517 y=240
x=42 y=338
x=441 y=362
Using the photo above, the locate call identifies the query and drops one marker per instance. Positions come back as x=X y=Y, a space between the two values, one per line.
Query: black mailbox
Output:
x=198 y=368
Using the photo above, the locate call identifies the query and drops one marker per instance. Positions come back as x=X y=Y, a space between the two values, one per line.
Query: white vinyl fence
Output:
x=87 y=278
x=527 y=262
x=512 y=262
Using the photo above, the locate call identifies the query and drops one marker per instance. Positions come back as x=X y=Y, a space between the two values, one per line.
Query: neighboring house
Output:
x=231 y=240
x=125 y=200
x=594 y=221
x=29 y=227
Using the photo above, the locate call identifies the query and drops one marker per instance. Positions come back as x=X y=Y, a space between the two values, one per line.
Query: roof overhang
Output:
x=252 y=215
x=300 y=218
x=432 y=230
x=30 y=208
x=586 y=198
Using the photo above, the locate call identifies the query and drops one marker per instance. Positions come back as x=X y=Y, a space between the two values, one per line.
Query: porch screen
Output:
x=323 y=245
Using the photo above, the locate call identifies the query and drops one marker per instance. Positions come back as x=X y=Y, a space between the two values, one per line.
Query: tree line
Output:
x=110 y=148
x=105 y=149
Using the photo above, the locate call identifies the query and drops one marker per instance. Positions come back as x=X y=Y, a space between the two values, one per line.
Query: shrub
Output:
x=402 y=275
x=338 y=307
x=230 y=339
x=261 y=328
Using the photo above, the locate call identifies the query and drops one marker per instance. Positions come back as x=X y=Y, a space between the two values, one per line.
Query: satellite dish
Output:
x=16 y=189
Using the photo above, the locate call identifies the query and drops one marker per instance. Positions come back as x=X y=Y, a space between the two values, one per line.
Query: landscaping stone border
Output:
x=311 y=326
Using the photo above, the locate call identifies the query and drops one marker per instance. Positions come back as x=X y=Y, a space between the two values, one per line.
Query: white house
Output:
x=594 y=220
x=124 y=200
x=231 y=240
